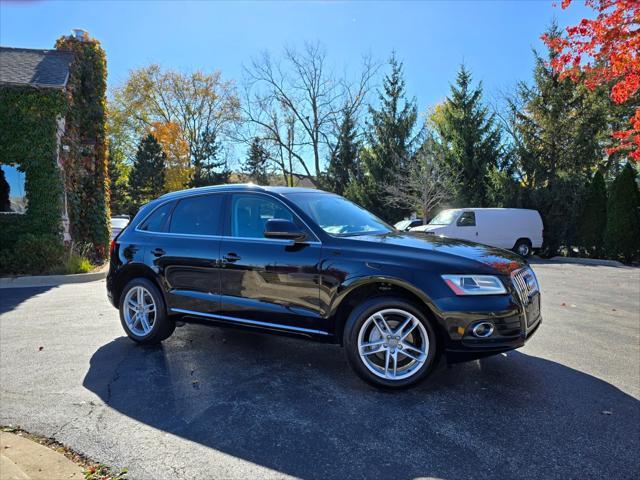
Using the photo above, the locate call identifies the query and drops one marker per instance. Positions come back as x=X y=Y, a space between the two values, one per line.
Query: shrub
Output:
x=623 y=217
x=32 y=254
x=78 y=264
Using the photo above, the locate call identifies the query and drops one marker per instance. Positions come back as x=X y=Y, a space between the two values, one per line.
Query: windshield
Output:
x=338 y=216
x=402 y=225
x=445 y=217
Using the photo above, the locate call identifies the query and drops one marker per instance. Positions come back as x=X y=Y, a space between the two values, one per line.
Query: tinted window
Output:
x=197 y=215
x=157 y=220
x=467 y=219
x=249 y=215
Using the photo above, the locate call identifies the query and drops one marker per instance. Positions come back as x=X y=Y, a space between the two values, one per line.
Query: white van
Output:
x=512 y=228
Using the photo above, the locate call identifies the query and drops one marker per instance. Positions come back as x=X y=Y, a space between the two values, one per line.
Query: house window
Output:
x=12 y=194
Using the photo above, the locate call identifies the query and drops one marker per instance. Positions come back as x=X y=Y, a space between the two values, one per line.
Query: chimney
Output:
x=80 y=34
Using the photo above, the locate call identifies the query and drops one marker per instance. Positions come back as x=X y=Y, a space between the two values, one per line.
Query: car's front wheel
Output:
x=143 y=314
x=390 y=343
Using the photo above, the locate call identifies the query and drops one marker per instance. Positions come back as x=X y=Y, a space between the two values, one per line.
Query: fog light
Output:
x=483 y=330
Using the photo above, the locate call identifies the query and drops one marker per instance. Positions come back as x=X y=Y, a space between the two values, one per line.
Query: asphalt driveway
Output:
x=213 y=403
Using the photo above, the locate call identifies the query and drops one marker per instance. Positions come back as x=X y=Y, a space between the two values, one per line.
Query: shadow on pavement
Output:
x=295 y=407
x=10 y=298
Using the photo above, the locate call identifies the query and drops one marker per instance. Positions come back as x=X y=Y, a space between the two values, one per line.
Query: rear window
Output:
x=197 y=215
x=157 y=220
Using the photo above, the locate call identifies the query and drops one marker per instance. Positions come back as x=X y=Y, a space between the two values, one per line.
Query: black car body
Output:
x=218 y=266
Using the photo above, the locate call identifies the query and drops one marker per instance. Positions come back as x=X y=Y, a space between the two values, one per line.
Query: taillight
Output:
x=112 y=247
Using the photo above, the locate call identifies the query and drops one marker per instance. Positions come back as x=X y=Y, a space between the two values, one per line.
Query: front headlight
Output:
x=474 y=284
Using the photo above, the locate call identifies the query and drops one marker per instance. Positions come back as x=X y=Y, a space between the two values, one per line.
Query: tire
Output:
x=160 y=325
x=361 y=328
x=523 y=247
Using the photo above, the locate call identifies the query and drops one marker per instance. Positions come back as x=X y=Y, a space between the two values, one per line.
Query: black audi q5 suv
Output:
x=311 y=264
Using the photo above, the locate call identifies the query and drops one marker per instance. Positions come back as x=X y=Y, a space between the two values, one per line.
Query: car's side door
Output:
x=268 y=282
x=187 y=254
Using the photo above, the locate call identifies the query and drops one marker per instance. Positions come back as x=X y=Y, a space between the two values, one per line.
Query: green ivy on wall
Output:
x=28 y=126
x=85 y=161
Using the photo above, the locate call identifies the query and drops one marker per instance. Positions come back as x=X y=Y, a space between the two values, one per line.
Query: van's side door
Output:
x=466 y=227
x=187 y=255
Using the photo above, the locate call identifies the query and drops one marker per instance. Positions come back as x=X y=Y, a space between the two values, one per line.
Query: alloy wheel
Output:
x=139 y=311
x=393 y=344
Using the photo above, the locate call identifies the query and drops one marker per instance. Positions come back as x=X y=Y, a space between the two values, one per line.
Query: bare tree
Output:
x=425 y=185
x=296 y=102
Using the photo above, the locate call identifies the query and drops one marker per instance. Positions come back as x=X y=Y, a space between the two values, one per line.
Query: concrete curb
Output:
x=24 y=459
x=52 y=280
x=588 y=261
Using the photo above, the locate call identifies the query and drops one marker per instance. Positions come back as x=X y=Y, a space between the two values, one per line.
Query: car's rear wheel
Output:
x=143 y=314
x=390 y=343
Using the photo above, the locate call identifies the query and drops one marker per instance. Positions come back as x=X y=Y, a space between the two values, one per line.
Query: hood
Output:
x=430 y=228
x=502 y=261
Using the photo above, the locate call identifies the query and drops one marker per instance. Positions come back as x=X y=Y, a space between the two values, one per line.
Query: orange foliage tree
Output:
x=606 y=51
x=178 y=168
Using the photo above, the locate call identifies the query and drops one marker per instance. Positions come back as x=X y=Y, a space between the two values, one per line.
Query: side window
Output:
x=467 y=219
x=157 y=220
x=197 y=215
x=249 y=215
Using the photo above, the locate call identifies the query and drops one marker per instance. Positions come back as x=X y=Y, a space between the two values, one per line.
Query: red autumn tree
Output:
x=605 y=51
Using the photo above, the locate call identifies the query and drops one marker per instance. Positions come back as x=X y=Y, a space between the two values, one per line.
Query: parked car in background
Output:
x=118 y=223
x=311 y=264
x=406 y=225
x=515 y=229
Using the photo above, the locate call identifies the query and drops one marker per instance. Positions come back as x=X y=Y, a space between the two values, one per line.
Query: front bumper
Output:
x=512 y=329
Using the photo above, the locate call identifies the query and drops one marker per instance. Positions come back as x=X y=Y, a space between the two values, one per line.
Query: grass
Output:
x=92 y=470
x=78 y=264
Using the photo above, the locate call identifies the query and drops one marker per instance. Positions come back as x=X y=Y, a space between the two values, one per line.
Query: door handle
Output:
x=231 y=257
x=157 y=252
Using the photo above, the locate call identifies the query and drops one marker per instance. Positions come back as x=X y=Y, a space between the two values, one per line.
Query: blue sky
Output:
x=432 y=38
x=494 y=38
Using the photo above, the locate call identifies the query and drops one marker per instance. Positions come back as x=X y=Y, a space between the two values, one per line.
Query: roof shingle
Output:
x=36 y=68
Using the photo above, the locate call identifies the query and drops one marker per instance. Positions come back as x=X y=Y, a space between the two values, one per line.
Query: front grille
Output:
x=525 y=282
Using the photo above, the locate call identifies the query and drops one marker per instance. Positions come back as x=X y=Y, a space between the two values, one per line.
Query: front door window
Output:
x=250 y=213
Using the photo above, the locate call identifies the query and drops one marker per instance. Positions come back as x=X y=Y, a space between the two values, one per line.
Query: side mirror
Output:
x=284 y=230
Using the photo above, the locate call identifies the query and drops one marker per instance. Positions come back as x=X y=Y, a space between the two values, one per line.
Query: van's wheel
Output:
x=523 y=248
x=390 y=343
x=143 y=313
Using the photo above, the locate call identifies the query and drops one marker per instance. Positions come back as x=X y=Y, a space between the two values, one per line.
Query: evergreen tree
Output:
x=255 y=166
x=593 y=220
x=5 y=200
x=208 y=169
x=343 y=165
x=471 y=138
x=622 y=235
x=118 y=181
x=146 y=180
x=558 y=127
x=391 y=143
